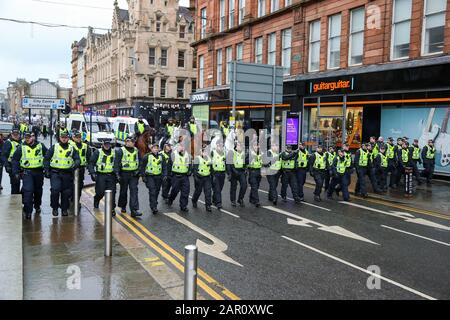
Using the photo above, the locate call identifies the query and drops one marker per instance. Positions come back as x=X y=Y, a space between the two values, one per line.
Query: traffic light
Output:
x=66 y=110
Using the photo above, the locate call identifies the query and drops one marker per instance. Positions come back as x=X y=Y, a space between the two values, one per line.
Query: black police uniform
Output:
x=236 y=175
x=180 y=183
x=317 y=173
x=218 y=179
x=339 y=178
x=428 y=161
x=103 y=181
x=167 y=179
x=202 y=183
x=153 y=181
x=14 y=180
x=273 y=173
x=128 y=180
x=289 y=176
x=254 y=175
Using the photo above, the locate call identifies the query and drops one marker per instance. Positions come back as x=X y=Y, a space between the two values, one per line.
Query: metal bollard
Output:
x=190 y=272
x=76 y=193
x=108 y=223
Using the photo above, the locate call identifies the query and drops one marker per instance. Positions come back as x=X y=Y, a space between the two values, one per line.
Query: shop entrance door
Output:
x=257 y=125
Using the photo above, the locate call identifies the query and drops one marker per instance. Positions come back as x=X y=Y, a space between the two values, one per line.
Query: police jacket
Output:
x=358 y=156
x=409 y=163
x=231 y=168
x=51 y=151
x=92 y=164
x=144 y=162
x=312 y=160
x=195 y=167
x=286 y=156
x=333 y=168
x=170 y=164
x=424 y=155
x=6 y=150
x=136 y=128
x=15 y=162
x=88 y=151
x=118 y=159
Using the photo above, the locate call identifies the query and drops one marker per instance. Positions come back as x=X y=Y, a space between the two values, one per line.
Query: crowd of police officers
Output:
x=168 y=171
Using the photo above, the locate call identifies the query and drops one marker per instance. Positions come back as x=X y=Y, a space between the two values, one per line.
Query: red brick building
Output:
x=392 y=54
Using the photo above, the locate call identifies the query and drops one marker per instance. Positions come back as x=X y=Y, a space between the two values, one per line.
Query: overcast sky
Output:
x=31 y=51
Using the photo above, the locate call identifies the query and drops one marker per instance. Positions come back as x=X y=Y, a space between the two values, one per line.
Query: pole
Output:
x=108 y=223
x=190 y=272
x=272 y=123
x=76 y=194
x=344 y=126
x=50 y=128
x=234 y=93
x=29 y=117
x=90 y=127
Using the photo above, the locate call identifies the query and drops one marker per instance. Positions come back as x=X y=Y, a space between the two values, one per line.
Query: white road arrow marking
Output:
x=216 y=249
x=305 y=203
x=303 y=222
x=403 y=215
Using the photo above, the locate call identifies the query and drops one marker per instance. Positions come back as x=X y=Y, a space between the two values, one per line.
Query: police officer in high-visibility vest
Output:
x=302 y=169
x=339 y=175
x=397 y=151
x=170 y=128
x=202 y=178
x=330 y=155
x=166 y=153
x=140 y=127
x=381 y=164
x=192 y=126
x=9 y=148
x=428 y=159
x=254 y=165
x=371 y=169
x=85 y=154
x=23 y=128
x=225 y=128
x=404 y=157
x=361 y=163
x=415 y=155
x=318 y=167
x=28 y=161
x=272 y=161
x=59 y=163
x=126 y=168
x=236 y=173
x=180 y=168
x=289 y=175
x=392 y=162
x=218 y=171
x=152 y=172
x=349 y=165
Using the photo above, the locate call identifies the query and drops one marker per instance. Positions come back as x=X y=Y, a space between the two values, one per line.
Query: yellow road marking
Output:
x=151 y=259
x=201 y=273
x=169 y=258
x=157 y=264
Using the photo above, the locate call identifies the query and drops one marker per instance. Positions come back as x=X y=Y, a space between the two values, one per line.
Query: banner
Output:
x=292 y=131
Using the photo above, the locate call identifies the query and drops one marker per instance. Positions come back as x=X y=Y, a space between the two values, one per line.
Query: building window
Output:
x=203 y=23
x=219 y=67
x=151 y=87
x=201 y=64
x=181 y=59
x=261 y=8
x=182 y=31
x=180 y=88
x=334 y=41
x=286 y=43
x=164 y=57
x=356 y=40
x=274 y=5
x=434 y=25
x=271 y=48
x=151 y=56
x=230 y=13
x=194 y=85
x=401 y=29
x=228 y=59
x=258 y=50
x=163 y=88
x=239 y=51
x=194 y=59
x=222 y=15
x=241 y=10
x=287 y=3
x=314 y=46
x=158 y=24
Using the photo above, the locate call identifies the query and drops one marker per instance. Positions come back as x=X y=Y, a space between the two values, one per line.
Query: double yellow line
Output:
x=204 y=281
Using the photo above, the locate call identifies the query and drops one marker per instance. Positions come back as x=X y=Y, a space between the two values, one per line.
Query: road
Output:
x=324 y=250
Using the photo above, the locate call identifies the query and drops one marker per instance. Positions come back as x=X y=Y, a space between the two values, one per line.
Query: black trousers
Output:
x=326 y=179
x=342 y=181
x=61 y=185
x=372 y=173
x=319 y=178
x=202 y=184
x=289 y=178
x=15 y=184
x=273 y=180
x=382 y=174
x=153 y=185
x=416 y=171
x=361 y=183
x=166 y=185
x=429 y=169
x=105 y=181
x=180 y=184
x=254 y=180
x=1 y=174
x=218 y=180
x=392 y=170
x=242 y=179
x=129 y=181
x=33 y=180
x=301 y=179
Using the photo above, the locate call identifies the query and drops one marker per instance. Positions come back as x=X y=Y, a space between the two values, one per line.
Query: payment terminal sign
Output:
x=292 y=131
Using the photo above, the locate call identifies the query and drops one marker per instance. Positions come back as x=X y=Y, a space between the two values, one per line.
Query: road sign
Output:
x=43 y=103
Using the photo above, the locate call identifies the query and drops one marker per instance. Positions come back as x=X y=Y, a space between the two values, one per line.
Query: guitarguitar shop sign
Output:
x=331 y=86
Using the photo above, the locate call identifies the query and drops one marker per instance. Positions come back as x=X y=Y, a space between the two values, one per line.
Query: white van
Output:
x=101 y=129
x=123 y=127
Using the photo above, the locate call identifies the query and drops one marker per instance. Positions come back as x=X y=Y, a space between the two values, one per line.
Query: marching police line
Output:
x=168 y=171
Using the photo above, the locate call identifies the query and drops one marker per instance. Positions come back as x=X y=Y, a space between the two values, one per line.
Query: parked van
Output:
x=123 y=127
x=101 y=129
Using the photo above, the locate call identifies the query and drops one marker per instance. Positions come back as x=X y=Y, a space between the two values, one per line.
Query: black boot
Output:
x=233 y=203
x=38 y=211
x=65 y=213
x=184 y=210
x=194 y=204
x=208 y=208
x=241 y=203
x=55 y=212
x=96 y=203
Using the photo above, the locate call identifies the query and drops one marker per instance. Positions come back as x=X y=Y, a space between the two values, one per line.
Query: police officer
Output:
x=152 y=172
x=340 y=171
x=272 y=160
x=59 y=163
x=140 y=127
x=371 y=170
x=374 y=146
x=392 y=162
x=166 y=153
x=225 y=128
x=289 y=176
x=85 y=154
x=23 y=128
x=28 y=160
x=361 y=163
x=397 y=151
x=9 y=148
x=415 y=155
x=218 y=159
x=101 y=169
x=428 y=159
x=381 y=164
x=236 y=173
x=170 y=127
x=318 y=168
x=330 y=155
x=202 y=178
x=193 y=129
x=254 y=165
x=180 y=168
x=302 y=168
x=404 y=157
